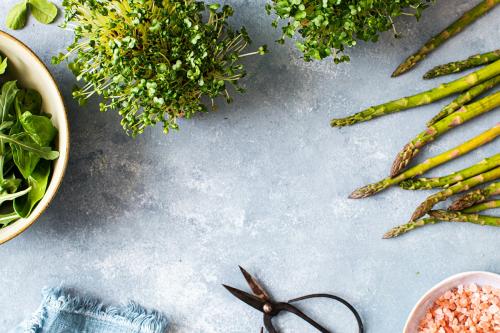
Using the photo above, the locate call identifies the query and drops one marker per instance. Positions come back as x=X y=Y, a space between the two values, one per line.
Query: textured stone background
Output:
x=261 y=183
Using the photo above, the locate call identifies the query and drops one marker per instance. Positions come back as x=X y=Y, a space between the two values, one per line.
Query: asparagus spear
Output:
x=465 y=98
x=457 y=118
x=432 y=200
x=448 y=216
x=404 y=228
x=482 y=206
x=430 y=163
x=468 y=18
x=475 y=197
x=426 y=97
x=459 y=66
x=445 y=181
x=442 y=216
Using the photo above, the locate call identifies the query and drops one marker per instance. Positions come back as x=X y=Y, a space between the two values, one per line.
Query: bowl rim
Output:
x=32 y=218
x=441 y=284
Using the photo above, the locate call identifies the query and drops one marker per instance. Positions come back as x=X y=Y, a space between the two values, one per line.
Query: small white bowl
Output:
x=420 y=309
x=30 y=72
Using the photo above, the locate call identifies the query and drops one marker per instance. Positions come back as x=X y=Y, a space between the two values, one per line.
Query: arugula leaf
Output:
x=38 y=183
x=25 y=161
x=6 y=219
x=16 y=18
x=39 y=128
x=12 y=196
x=10 y=185
x=7 y=97
x=30 y=100
x=22 y=141
x=3 y=65
x=44 y=11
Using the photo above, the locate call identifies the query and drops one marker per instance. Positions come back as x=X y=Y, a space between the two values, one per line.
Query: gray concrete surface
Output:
x=164 y=220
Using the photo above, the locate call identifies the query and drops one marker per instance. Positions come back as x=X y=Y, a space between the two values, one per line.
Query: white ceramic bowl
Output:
x=30 y=72
x=418 y=312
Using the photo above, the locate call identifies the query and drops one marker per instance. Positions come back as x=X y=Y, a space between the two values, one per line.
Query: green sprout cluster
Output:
x=153 y=60
x=328 y=27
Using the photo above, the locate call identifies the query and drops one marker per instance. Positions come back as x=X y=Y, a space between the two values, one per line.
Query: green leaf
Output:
x=38 y=182
x=30 y=100
x=43 y=10
x=16 y=18
x=3 y=66
x=21 y=140
x=7 y=97
x=11 y=196
x=24 y=160
x=39 y=128
x=6 y=219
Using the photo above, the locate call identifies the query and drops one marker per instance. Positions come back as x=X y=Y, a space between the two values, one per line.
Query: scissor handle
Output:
x=339 y=299
x=278 y=307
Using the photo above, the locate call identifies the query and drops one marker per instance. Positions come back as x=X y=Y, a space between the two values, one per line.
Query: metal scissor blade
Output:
x=249 y=299
x=255 y=286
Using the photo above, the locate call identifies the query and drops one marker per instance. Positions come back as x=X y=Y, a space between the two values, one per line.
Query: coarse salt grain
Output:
x=465 y=309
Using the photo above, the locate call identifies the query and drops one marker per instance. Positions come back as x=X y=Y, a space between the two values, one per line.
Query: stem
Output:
x=467 y=18
x=423 y=98
x=457 y=118
x=430 y=163
x=459 y=66
x=44 y=152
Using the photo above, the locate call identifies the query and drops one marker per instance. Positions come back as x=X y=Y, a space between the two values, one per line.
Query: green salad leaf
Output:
x=37 y=181
x=16 y=18
x=3 y=65
x=44 y=11
x=39 y=128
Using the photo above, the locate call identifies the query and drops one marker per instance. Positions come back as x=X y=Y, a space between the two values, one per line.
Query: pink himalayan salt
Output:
x=465 y=309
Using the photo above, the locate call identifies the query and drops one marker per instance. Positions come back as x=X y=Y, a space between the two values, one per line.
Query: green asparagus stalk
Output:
x=464 y=114
x=468 y=18
x=448 y=216
x=426 y=97
x=483 y=206
x=465 y=98
x=475 y=197
x=430 y=163
x=465 y=185
x=445 y=181
x=460 y=66
x=404 y=228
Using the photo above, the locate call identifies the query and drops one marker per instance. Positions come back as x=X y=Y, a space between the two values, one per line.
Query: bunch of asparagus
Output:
x=463 y=108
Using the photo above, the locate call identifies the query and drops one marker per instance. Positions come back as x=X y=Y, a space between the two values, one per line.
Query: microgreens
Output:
x=153 y=60
x=327 y=27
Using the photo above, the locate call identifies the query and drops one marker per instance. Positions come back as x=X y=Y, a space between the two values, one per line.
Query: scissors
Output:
x=261 y=301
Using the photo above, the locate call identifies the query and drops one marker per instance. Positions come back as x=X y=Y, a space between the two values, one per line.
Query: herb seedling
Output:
x=44 y=12
x=327 y=27
x=153 y=61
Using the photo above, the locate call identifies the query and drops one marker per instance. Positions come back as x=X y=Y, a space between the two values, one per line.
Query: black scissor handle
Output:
x=278 y=307
x=338 y=299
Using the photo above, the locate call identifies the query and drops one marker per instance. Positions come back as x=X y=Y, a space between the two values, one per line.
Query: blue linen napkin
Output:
x=63 y=311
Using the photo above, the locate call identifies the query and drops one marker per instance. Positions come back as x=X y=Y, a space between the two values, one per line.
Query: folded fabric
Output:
x=63 y=311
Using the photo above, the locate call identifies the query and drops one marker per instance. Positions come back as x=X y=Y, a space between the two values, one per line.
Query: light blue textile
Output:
x=62 y=311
